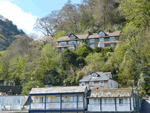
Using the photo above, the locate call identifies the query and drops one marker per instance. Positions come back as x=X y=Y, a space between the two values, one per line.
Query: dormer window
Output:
x=94 y=75
x=101 y=33
x=72 y=36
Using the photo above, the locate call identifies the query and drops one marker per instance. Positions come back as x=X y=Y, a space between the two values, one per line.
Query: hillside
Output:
x=7 y=32
x=33 y=63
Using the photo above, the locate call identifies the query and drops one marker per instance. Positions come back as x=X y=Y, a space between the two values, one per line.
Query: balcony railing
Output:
x=57 y=105
x=109 y=107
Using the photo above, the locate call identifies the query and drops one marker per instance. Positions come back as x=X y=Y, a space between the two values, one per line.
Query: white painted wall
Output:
x=12 y=102
x=108 y=104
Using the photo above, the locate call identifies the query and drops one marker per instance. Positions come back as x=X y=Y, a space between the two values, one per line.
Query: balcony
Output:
x=56 y=106
x=109 y=107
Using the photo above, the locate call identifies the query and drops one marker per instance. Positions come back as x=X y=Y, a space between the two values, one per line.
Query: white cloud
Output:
x=22 y=19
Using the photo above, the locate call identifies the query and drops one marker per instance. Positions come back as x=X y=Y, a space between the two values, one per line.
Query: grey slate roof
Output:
x=121 y=92
x=103 y=76
x=49 y=90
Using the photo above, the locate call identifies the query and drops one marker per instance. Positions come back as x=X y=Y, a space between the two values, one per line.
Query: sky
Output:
x=24 y=13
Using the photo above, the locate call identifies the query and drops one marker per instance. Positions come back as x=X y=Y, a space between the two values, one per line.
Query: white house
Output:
x=14 y=102
x=113 y=100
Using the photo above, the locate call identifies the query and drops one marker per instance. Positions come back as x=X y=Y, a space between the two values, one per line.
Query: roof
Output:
x=48 y=90
x=84 y=36
x=121 y=92
x=103 y=76
x=64 y=46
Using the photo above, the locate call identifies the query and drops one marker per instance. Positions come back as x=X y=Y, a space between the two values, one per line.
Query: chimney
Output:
x=89 y=33
x=88 y=72
x=109 y=30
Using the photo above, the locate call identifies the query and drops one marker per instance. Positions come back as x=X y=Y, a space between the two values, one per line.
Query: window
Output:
x=82 y=83
x=126 y=101
x=94 y=75
x=101 y=40
x=112 y=38
x=105 y=101
x=62 y=99
x=91 y=83
x=71 y=47
x=80 y=99
x=120 y=102
x=48 y=99
x=112 y=45
x=101 y=45
x=71 y=42
x=57 y=99
x=73 y=99
x=16 y=101
x=72 y=36
x=62 y=43
x=79 y=41
x=92 y=40
x=101 y=33
x=101 y=83
x=62 y=48
x=92 y=46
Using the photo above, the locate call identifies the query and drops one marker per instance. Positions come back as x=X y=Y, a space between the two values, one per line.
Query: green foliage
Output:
x=60 y=34
x=95 y=61
x=84 y=50
x=31 y=84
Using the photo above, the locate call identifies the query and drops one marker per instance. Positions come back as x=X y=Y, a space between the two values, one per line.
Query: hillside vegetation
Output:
x=34 y=63
x=7 y=32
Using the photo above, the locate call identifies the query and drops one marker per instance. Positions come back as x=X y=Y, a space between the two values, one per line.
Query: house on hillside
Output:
x=122 y=100
x=99 y=79
x=100 y=39
x=12 y=102
x=58 y=99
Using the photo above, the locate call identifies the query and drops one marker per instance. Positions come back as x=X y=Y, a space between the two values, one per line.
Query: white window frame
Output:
x=91 y=83
x=92 y=40
x=101 y=83
x=101 y=45
x=48 y=99
x=72 y=42
x=101 y=39
x=112 y=45
x=62 y=43
x=79 y=41
x=62 y=48
x=94 y=75
x=57 y=99
x=101 y=33
x=71 y=47
x=82 y=83
x=112 y=38
x=92 y=45
x=80 y=98
x=73 y=98
x=72 y=36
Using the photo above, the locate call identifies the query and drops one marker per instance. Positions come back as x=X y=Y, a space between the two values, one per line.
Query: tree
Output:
x=31 y=84
x=84 y=50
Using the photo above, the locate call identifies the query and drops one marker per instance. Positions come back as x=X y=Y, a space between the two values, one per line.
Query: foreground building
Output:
x=12 y=102
x=100 y=39
x=58 y=100
x=99 y=79
x=120 y=100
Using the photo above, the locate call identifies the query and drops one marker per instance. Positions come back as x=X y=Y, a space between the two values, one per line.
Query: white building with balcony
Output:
x=58 y=99
x=122 y=100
